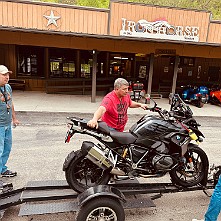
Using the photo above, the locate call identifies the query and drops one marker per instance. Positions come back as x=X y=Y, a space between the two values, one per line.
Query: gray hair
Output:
x=119 y=82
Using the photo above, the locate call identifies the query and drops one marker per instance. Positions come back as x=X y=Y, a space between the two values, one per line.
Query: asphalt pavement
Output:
x=39 y=151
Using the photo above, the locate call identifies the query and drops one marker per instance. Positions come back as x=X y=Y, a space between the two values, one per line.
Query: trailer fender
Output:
x=68 y=159
x=98 y=191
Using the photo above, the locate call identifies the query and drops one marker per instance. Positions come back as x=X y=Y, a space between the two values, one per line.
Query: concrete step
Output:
x=156 y=96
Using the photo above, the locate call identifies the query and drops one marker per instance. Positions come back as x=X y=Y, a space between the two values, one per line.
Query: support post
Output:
x=107 y=64
x=46 y=63
x=78 y=64
x=150 y=75
x=94 y=73
x=174 y=78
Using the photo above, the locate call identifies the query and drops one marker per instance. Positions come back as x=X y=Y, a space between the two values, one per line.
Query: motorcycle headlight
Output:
x=200 y=139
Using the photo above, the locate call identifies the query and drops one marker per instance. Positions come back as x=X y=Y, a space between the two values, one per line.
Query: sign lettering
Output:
x=159 y=29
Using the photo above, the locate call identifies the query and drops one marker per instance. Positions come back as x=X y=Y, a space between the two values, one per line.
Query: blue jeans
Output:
x=215 y=204
x=5 y=146
x=111 y=128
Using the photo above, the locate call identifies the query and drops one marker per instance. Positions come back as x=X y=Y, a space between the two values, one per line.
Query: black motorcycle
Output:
x=155 y=145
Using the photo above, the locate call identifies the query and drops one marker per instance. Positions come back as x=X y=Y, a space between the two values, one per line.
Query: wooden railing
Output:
x=78 y=85
x=17 y=84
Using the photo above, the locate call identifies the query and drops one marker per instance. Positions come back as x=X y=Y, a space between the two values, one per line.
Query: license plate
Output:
x=137 y=94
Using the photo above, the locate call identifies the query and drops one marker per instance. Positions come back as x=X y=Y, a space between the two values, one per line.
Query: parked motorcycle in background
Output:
x=136 y=90
x=215 y=95
x=195 y=95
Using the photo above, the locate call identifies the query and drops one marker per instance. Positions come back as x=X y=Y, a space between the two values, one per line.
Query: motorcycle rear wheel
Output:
x=190 y=174
x=82 y=174
x=200 y=104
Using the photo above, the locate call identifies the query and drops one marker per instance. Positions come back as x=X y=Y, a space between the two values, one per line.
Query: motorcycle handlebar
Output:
x=159 y=110
x=167 y=115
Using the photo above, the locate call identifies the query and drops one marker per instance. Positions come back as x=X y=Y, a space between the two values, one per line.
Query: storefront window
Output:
x=86 y=64
x=55 y=67
x=187 y=61
x=69 y=69
x=62 y=64
x=86 y=68
x=120 y=65
x=30 y=61
x=142 y=66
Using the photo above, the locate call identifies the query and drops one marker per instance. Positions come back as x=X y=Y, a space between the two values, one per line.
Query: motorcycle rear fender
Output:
x=68 y=159
x=71 y=156
x=99 y=191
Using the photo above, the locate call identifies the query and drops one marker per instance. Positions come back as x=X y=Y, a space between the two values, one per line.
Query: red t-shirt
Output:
x=116 y=110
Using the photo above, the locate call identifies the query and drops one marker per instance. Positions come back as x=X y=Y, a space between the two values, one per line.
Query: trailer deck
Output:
x=58 y=196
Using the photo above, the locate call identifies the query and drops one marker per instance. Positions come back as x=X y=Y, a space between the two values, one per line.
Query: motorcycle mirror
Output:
x=147 y=100
x=151 y=103
x=144 y=100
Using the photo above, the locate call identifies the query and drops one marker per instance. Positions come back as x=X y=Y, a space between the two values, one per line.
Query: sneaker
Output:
x=9 y=173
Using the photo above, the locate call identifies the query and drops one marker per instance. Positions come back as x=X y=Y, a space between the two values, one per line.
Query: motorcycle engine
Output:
x=162 y=162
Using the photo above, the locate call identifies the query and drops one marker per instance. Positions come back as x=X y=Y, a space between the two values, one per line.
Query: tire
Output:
x=82 y=174
x=212 y=101
x=101 y=208
x=200 y=104
x=184 y=175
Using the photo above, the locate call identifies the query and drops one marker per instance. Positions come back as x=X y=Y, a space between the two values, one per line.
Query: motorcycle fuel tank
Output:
x=153 y=126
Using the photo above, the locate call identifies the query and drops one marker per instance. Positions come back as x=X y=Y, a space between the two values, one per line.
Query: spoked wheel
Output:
x=82 y=174
x=194 y=170
x=101 y=209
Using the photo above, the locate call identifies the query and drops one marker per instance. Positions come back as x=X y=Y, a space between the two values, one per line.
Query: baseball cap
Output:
x=4 y=69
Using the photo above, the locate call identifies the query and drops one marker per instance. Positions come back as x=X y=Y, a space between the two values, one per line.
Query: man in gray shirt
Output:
x=7 y=118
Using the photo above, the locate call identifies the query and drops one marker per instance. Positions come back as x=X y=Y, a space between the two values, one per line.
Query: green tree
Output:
x=94 y=3
x=89 y=3
x=213 y=6
x=69 y=2
x=210 y=5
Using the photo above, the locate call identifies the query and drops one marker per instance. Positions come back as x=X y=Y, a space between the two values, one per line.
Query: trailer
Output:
x=44 y=197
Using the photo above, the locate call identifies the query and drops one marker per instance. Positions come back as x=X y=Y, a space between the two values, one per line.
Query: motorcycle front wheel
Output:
x=194 y=170
x=82 y=174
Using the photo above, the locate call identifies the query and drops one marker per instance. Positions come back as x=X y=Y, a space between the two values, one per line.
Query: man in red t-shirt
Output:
x=113 y=109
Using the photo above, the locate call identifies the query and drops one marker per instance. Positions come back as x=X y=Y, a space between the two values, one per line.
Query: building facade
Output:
x=81 y=50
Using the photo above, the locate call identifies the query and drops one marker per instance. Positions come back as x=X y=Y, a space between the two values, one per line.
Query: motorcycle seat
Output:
x=122 y=137
x=102 y=126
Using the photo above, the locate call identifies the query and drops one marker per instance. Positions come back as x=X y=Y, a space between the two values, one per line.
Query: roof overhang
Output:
x=110 y=37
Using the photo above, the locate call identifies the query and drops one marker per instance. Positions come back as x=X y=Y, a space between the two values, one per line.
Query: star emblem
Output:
x=52 y=19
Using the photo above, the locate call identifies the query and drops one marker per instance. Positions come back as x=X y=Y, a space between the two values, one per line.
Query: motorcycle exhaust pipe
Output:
x=95 y=155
